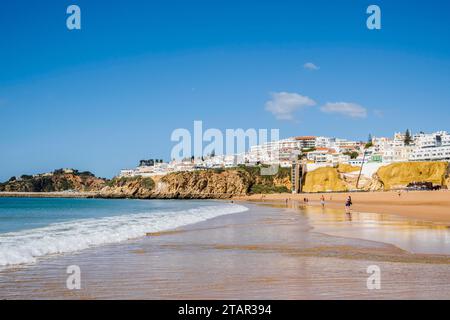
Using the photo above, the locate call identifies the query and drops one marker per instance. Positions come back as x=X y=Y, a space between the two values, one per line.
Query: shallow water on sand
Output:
x=264 y=253
x=411 y=235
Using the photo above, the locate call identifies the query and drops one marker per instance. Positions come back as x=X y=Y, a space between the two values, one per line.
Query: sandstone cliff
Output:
x=324 y=180
x=399 y=175
x=137 y=187
x=209 y=184
x=393 y=176
x=54 y=182
x=226 y=183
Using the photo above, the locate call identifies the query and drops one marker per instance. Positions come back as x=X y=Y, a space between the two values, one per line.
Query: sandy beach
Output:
x=273 y=251
x=422 y=205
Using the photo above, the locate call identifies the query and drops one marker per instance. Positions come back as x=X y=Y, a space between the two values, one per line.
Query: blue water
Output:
x=27 y=213
x=31 y=228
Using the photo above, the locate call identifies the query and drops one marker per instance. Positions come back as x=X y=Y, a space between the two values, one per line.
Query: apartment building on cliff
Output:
x=431 y=147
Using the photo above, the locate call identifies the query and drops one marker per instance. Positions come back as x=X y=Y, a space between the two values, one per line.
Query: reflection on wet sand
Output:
x=411 y=235
x=265 y=253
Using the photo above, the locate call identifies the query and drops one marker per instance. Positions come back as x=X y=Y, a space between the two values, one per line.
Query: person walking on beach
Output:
x=348 y=204
x=322 y=201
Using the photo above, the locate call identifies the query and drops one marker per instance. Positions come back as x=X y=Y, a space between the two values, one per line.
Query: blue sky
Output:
x=103 y=97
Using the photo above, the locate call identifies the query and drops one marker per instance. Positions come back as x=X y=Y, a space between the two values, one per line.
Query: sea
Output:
x=31 y=228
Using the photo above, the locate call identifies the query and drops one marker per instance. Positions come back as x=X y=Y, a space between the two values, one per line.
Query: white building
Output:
x=431 y=147
x=358 y=161
x=126 y=173
x=401 y=154
x=399 y=140
x=306 y=142
x=274 y=152
x=324 y=151
x=325 y=142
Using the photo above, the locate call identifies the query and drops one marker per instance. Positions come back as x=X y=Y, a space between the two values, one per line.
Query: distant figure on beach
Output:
x=348 y=204
x=399 y=193
x=322 y=201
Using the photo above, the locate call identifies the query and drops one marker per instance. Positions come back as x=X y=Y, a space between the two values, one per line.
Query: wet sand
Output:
x=424 y=205
x=268 y=252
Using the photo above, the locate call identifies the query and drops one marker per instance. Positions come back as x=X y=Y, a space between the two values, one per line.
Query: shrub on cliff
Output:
x=148 y=183
x=58 y=181
x=261 y=188
x=128 y=182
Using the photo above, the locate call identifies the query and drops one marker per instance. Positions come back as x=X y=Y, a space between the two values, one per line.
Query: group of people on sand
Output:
x=348 y=202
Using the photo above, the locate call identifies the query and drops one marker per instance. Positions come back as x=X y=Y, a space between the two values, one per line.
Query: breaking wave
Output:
x=26 y=246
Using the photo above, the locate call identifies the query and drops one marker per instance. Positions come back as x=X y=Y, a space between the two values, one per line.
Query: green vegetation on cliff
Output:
x=59 y=180
x=277 y=183
x=225 y=183
x=265 y=189
x=128 y=187
x=201 y=184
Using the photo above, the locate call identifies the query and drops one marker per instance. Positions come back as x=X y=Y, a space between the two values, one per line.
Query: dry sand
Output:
x=431 y=206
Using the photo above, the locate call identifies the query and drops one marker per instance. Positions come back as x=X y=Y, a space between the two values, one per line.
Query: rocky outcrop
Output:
x=226 y=183
x=136 y=187
x=324 y=179
x=399 y=175
x=54 y=182
x=204 y=184
x=393 y=176
x=208 y=184
x=347 y=168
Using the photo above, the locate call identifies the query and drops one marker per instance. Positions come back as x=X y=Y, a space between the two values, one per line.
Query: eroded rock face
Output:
x=223 y=184
x=54 y=183
x=392 y=176
x=399 y=175
x=183 y=185
x=324 y=179
x=138 y=187
x=207 y=184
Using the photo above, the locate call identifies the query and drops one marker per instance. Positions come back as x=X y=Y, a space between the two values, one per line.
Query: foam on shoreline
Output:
x=26 y=246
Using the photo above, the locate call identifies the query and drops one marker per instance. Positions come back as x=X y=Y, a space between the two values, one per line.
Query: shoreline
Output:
x=61 y=194
x=430 y=206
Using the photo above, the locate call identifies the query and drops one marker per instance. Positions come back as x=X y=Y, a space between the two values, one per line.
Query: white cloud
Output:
x=284 y=104
x=351 y=110
x=310 y=66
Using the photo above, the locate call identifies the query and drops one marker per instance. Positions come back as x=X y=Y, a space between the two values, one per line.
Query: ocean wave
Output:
x=26 y=246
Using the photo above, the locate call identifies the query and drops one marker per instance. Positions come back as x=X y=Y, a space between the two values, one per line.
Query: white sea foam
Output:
x=26 y=246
